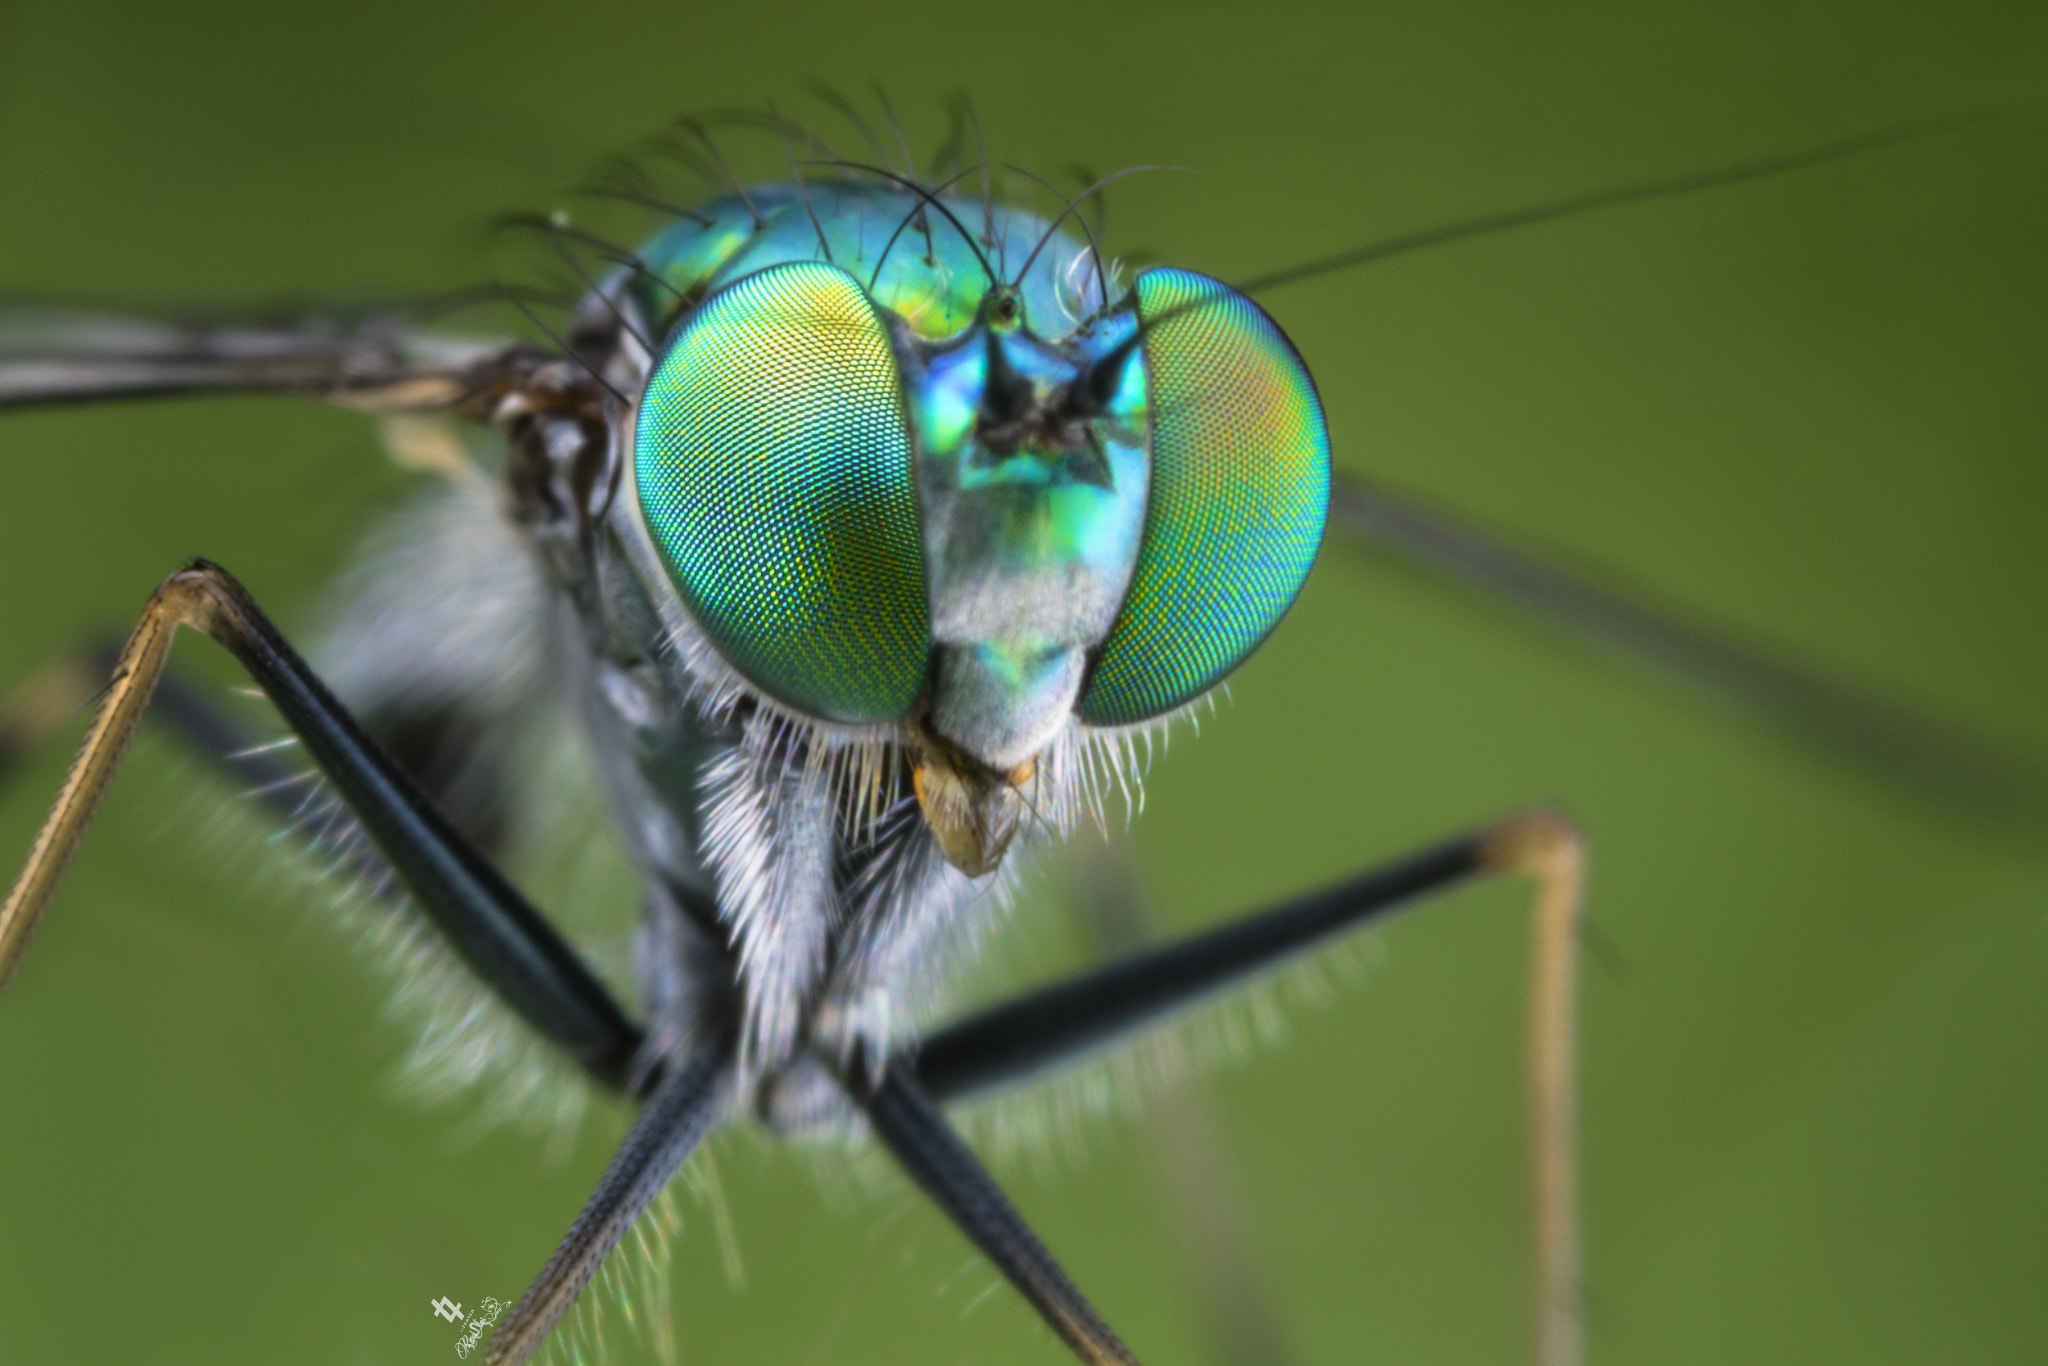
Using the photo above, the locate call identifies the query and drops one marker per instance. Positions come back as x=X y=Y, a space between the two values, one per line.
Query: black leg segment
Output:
x=507 y=942
x=914 y=1131
x=495 y=929
x=1050 y=1027
x=690 y=1097
x=1047 y=1028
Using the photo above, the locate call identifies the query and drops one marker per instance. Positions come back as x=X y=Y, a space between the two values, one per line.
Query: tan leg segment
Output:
x=1545 y=846
x=188 y=598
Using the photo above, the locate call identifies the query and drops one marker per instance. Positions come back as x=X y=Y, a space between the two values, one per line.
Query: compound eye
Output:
x=774 y=467
x=1240 y=490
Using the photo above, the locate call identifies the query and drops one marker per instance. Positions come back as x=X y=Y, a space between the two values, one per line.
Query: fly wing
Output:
x=378 y=360
x=1984 y=781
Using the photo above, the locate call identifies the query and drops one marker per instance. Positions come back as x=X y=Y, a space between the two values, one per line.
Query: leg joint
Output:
x=1545 y=844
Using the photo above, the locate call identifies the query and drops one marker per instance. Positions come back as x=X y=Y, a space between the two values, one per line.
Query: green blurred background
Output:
x=1814 y=407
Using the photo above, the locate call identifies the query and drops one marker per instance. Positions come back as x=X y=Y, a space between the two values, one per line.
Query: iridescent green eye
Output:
x=1240 y=488
x=773 y=461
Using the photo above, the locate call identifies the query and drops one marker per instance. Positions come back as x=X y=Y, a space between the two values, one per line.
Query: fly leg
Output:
x=495 y=930
x=691 y=1096
x=909 y=1124
x=1056 y=1025
x=48 y=698
x=260 y=765
x=41 y=703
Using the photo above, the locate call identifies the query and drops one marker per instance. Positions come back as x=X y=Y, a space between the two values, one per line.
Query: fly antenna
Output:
x=1573 y=205
x=697 y=130
x=512 y=297
x=1089 y=392
x=802 y=191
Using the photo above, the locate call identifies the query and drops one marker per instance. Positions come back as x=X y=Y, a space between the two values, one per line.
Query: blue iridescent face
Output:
x=990 y=507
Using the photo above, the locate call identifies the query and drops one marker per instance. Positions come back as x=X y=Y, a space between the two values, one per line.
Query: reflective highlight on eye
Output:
x=1240 y=490
x=774 y=470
